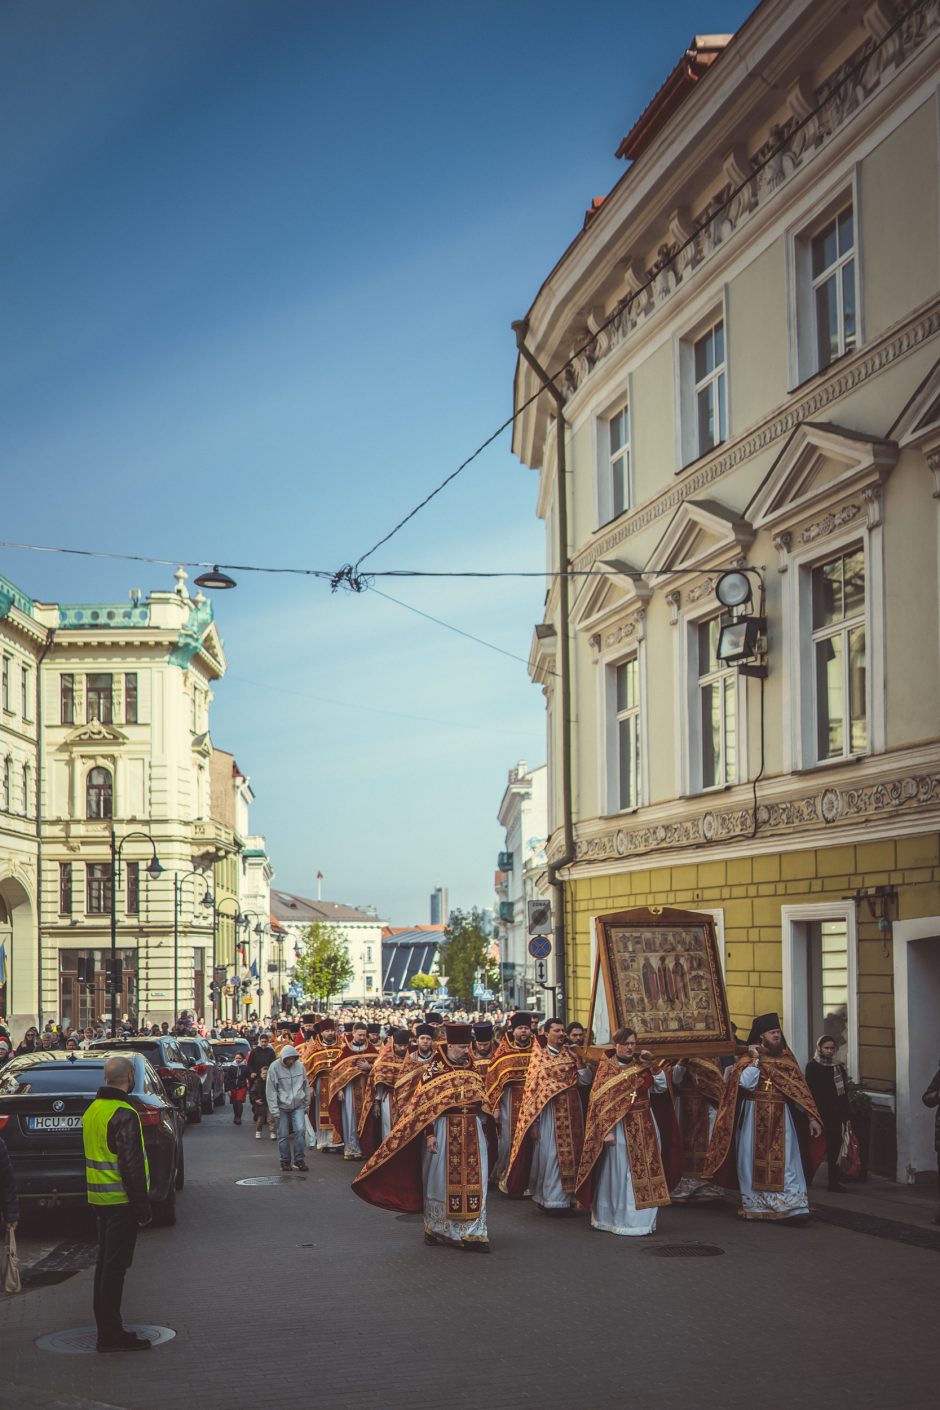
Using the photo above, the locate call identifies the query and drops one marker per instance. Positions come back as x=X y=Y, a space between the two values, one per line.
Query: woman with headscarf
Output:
x=828 y=1082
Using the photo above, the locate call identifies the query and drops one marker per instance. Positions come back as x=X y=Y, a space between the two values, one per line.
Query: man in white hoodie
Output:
x=288 y=1095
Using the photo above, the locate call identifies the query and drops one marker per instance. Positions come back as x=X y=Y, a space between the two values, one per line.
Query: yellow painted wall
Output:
x=654 y=440
x=751 y=891
x=757 y=312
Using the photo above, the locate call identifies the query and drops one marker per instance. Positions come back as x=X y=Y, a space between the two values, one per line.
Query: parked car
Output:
x=209 y=1071
x=43 y=1097
x=224 y=1050
x=172 y=1064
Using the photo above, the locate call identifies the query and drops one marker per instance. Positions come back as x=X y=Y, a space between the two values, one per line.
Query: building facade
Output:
x=523 y=817
x=361 y=930
x=748 y=328
x=104 y=731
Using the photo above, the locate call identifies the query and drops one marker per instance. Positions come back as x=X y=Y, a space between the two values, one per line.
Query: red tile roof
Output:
x=694 y=64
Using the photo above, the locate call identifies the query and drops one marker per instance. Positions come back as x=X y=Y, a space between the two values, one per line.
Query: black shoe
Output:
x=300 y=1165
x=430 y=1239
x=285 y=1165
x=128 y=1341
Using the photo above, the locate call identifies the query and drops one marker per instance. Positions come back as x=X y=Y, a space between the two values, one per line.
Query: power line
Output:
x=626 y=304
x=450 y=627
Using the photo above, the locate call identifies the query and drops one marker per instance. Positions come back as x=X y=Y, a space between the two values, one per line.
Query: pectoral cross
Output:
x=768 y=1084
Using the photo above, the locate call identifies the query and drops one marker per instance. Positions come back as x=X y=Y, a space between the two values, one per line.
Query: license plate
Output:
x=53 y=1123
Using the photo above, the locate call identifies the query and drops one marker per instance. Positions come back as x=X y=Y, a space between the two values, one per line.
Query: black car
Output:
x=164 y=1053
x=43 y=1097
x=208 y=1069
x=224 y=1050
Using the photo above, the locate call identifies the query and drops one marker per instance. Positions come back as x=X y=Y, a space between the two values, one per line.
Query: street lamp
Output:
x=261 y=928
x=237 y=918
x=154 y=869
x=177 y=906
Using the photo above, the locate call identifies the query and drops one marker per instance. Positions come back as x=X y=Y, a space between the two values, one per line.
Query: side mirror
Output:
x=179 y=1092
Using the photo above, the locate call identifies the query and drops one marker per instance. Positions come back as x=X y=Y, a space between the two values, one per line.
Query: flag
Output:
x=3 y=963
x=254 y=969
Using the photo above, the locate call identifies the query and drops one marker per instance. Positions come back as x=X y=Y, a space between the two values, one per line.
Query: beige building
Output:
x=748 y=332
x=105 y=727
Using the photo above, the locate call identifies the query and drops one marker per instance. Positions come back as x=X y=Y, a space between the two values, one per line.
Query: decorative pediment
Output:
x=701 y=533
x=202 y=745
x=919 y=422
x=94 y=734
x=820 y=465
x=542 y=654
x=616 y=587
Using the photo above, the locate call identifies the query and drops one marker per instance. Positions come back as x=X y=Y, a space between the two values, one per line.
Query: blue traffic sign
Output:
x=540 y=947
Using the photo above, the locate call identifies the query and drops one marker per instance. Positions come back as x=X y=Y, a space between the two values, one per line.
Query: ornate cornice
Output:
x=851 y=375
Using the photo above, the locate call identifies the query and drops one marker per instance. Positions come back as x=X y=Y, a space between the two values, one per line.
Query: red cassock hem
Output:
x=396 y=1185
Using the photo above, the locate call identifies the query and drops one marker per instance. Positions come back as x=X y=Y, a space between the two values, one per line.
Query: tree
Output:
x=464 y=952
x=324 y=967
x=423 y=982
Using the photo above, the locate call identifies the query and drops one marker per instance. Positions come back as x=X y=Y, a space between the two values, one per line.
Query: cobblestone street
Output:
x=299 y=1294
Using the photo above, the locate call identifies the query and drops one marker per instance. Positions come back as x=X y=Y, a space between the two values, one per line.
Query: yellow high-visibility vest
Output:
x=103 y=1182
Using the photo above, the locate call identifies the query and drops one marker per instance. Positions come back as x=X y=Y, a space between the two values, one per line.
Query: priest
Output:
x=505 y=1081
x=319 y=1056
x=483 y=1047
x=621 y=1177
x=767 y=1138
x=698 y=1085
x=553 y=1113
x=413 y=1065
x=437 y=1157
x=380 y=1107
x=348 y=1086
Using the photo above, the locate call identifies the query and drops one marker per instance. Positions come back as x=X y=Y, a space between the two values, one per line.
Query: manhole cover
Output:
x=410 y=1218
x=685 y=1251
x=77 y=1341
x=262 y=1180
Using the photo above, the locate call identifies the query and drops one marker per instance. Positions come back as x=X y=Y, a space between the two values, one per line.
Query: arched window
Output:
x=98 y=794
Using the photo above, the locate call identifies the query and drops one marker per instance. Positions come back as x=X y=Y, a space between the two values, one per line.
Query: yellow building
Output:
x=745 y=346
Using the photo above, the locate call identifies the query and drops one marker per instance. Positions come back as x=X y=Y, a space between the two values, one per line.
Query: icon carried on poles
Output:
x=540 y=947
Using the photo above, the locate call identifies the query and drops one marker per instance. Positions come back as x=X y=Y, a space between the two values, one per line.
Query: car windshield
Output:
x=225 y=1052
x=190 y=1048
x=58 y=1077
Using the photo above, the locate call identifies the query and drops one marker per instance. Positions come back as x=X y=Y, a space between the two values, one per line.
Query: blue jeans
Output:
x=287 y=1122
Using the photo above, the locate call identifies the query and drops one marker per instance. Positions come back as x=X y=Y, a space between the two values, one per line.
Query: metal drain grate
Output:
x=685 y=1251
x=79 y=1341
x=263 y=1180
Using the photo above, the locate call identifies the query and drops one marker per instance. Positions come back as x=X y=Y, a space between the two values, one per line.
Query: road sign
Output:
x=487 y=995
x=540 y=947
x=541 y=971
x=478 y=991
x=540 y=917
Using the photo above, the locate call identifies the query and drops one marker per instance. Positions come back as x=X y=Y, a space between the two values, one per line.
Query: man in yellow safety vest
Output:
x=117 y=1177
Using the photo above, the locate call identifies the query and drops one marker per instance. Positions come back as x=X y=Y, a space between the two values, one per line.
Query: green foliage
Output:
x=425 y=982
x=860 y=1103
x=463 y=953
x=324 y=967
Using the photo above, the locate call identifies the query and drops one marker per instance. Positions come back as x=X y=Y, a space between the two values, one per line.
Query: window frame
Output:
x=96 y=693
x=26 y=677
x=65 y=889
x=842 y=629
x=98 y=888
x=605 y=511
x=801 y=312
x=66 y=697
x=688 y=446
x=6 y=786
x=608 y=731
x=100 y=794
x=132 y=888
x=131 y=698
x=722 y=675
x=5 y=672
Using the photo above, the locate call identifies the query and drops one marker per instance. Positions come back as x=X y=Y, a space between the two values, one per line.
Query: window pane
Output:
x=627 y=737
x=827 y=322
x=719 y=337
x=853 y=568
x=707 y=641
x=829 y=704
x=621 y=688
x=846 y=231
x=827 y=594
x=130 y=699
x=848 y=304
x=67 y=699
x=857 y=710
x=824 y=249
x=615 y=437
x=706 y=417
x=704 y=359
x=722 y=415
x=711 y=735
x=618 y=473
x=730 y=771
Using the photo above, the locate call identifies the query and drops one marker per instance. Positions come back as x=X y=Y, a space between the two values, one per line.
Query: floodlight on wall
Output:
x=738 y=639
x=215 y=579
x=742 y=637
x=732 y=589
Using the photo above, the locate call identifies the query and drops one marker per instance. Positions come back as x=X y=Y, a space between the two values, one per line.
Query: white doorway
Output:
x=917 y=1026
x=820 y=980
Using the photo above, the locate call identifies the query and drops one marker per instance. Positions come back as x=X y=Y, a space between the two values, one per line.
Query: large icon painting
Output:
x=661 y=975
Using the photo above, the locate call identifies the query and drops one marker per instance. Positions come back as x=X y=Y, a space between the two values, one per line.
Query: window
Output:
x=619 y=488
x=627 y=686
x=832 y=262
x=7 y=783
x=27 y=781
x=65 y=888
x=98 y=697
x=838 y=632
x=132 y=870
x=717 y=698
x=5 y=682
x=27 y=693
x=130 y=699
x=98 y=793
x=708 y=360
x=67 y=699
x=98 y=888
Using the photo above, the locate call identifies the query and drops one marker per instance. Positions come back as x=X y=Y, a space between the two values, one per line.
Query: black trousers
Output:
x=117 y=1236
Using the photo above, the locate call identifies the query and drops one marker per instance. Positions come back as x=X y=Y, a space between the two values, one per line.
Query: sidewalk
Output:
x=882 y=1208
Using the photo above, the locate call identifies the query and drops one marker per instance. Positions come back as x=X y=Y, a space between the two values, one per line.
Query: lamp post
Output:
x=216 y=912
x=261 y=928
x=279 y=942
x=153 y=871
x=177 y=905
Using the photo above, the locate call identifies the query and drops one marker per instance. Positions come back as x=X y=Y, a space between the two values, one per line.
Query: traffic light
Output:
x=113 y=976
x=86 y=970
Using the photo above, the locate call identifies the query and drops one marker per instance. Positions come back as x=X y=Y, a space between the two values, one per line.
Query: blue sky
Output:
x=260 y=264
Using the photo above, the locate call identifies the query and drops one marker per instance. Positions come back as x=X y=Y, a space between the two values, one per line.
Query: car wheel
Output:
x=180 y=1171
x=195 y=1116
x=164 y=1210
